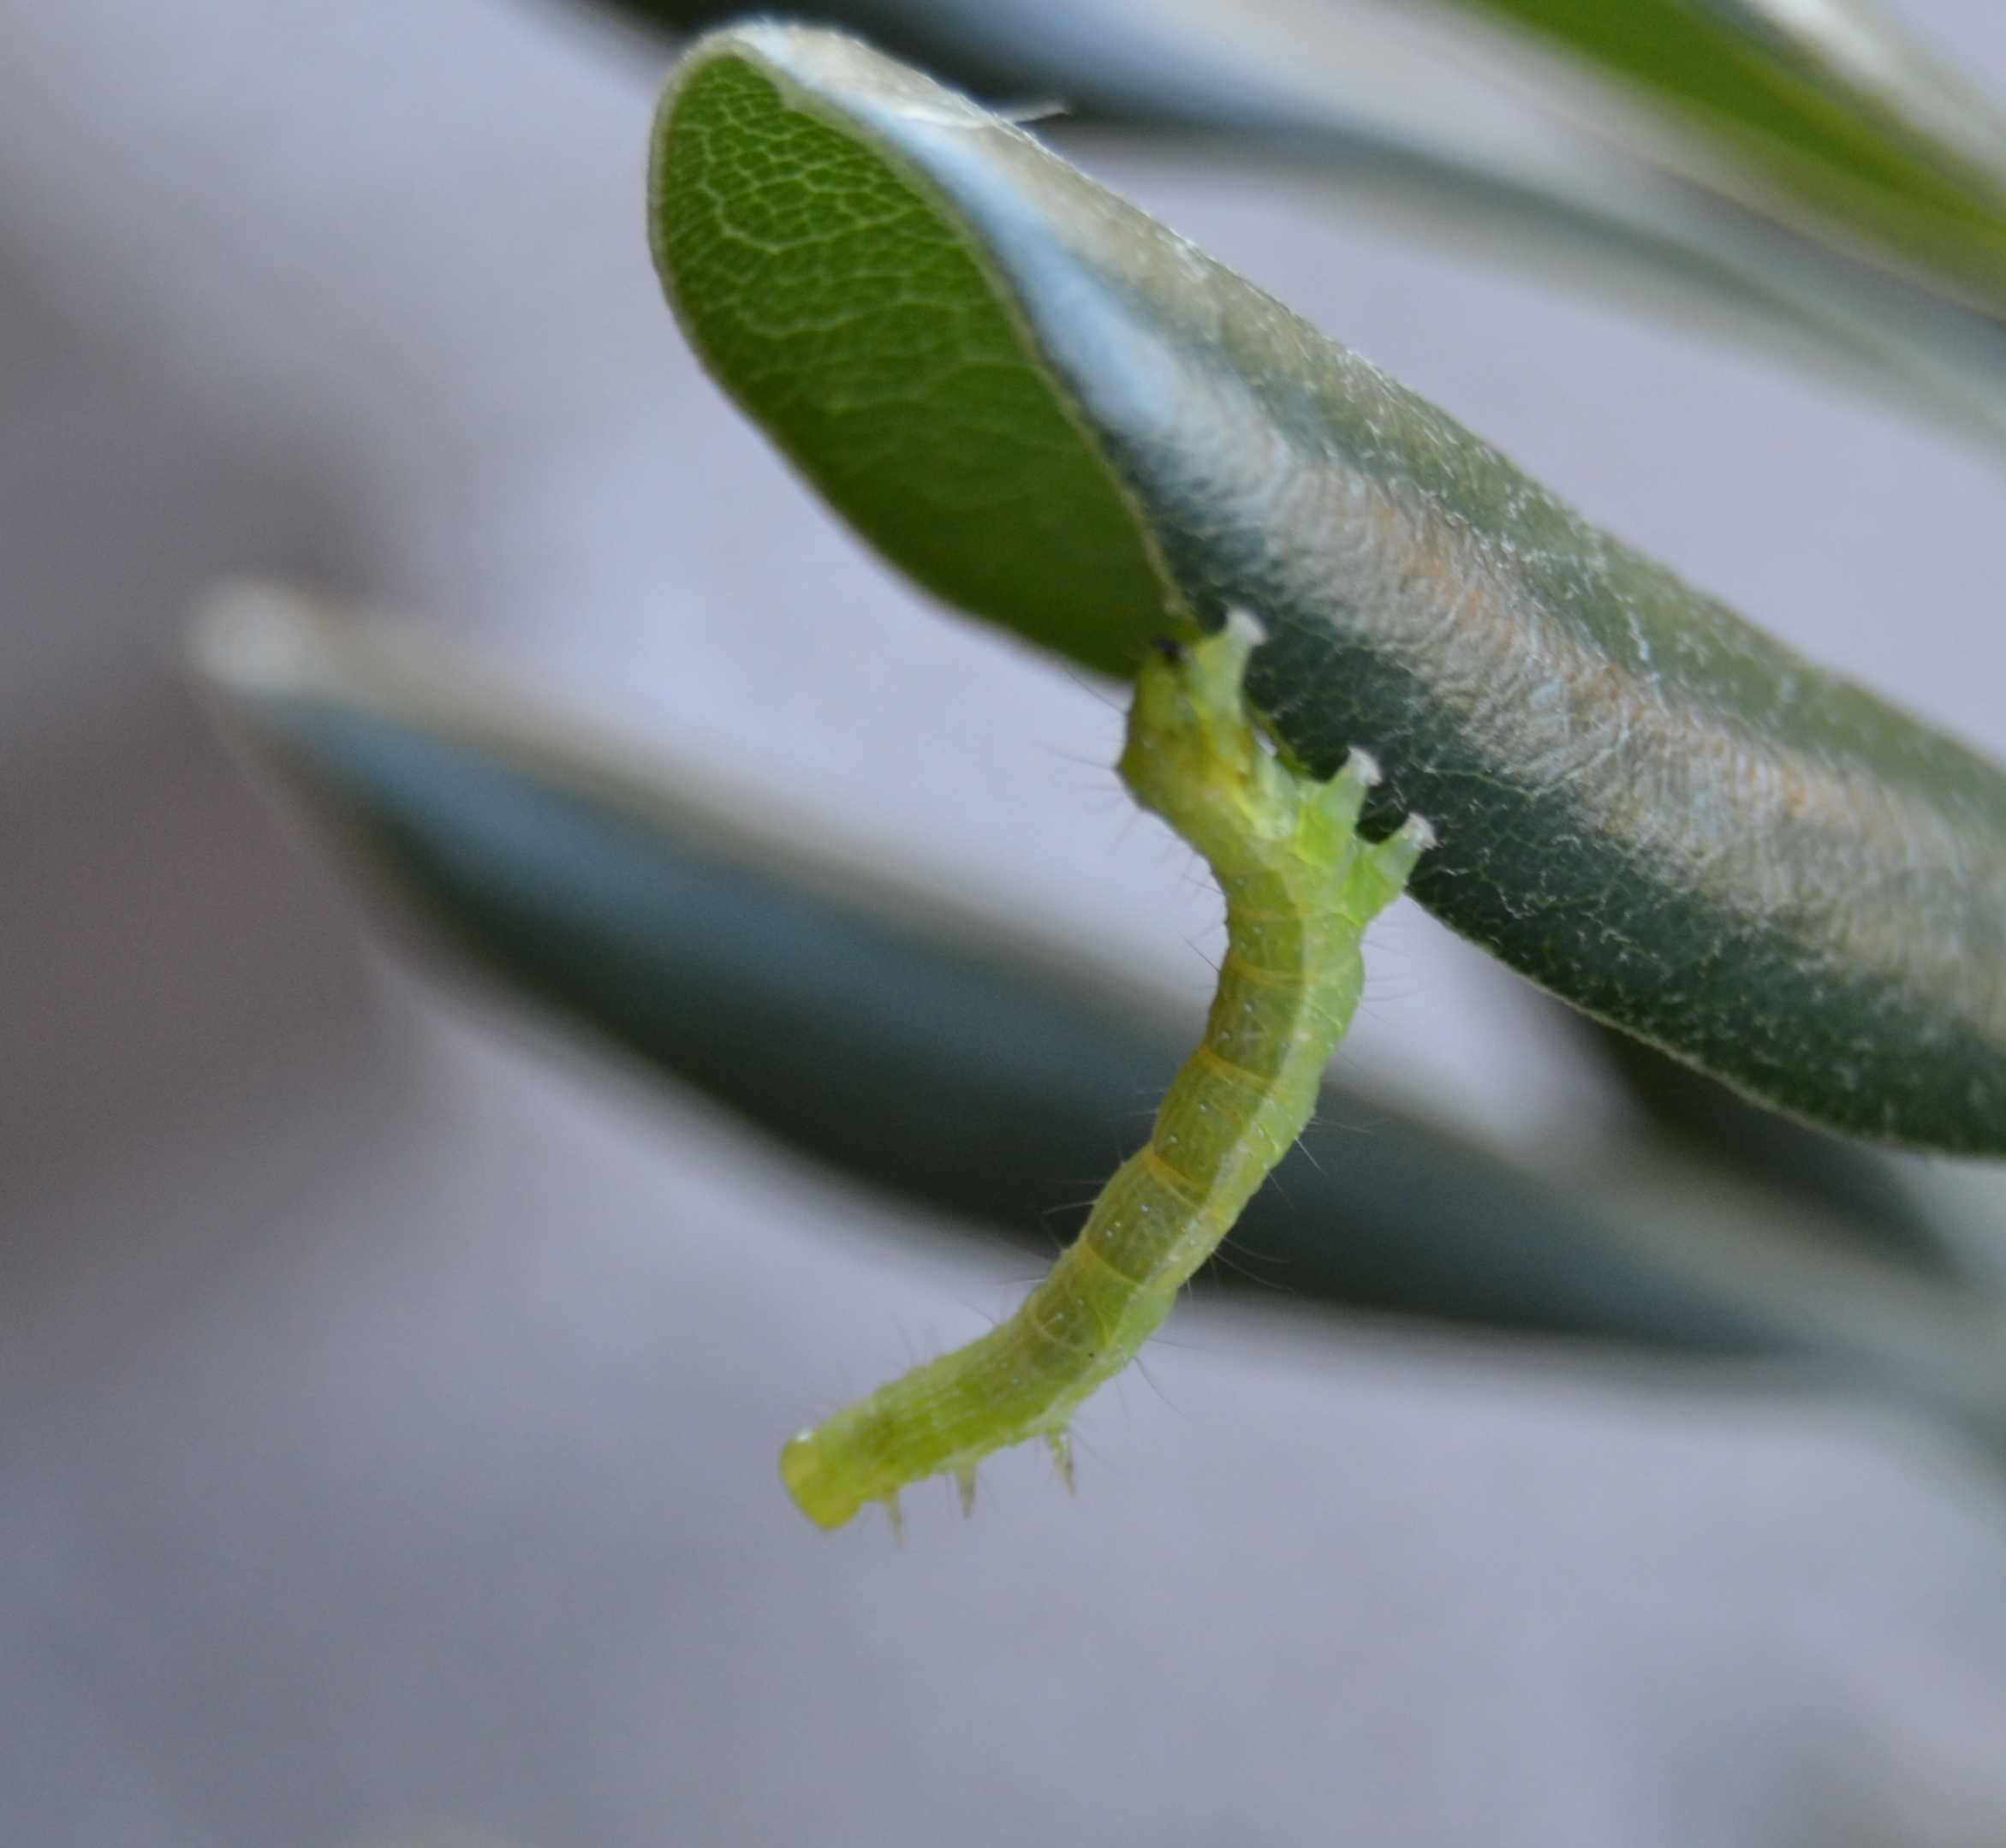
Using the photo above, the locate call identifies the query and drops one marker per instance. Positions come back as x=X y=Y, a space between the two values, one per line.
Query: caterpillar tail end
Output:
x=1342 y=799
x=1395 y=855
x=1193 y=755
x=1210 y=674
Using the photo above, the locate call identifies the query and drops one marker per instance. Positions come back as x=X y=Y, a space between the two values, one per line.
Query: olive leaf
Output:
x=1056 y=415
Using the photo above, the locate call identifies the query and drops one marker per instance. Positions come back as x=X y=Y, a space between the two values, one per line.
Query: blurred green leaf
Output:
x=925 y=1052
x=1826 y=100
x=1059 y=416
x=1377 y=113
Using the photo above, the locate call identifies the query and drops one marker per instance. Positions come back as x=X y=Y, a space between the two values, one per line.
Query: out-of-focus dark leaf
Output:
x=926 y=1053
x=1854 y=1188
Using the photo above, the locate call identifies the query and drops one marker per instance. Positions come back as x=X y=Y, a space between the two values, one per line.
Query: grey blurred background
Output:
x=389 y=1389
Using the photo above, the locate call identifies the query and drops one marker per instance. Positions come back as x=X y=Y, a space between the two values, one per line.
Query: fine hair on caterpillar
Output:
x=1301 y=886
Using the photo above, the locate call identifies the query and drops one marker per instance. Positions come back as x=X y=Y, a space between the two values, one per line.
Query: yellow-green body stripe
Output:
x=1300 y=886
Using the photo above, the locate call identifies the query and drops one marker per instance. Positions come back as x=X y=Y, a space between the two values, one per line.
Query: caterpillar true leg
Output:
x=1301 y=887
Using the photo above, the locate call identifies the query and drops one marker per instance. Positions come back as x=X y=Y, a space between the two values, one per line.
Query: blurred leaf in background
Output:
x=925 y=1052
x=1798 y=175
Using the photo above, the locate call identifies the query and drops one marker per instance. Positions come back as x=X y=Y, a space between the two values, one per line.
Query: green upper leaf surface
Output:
x=1645 y=803
x=859 y=327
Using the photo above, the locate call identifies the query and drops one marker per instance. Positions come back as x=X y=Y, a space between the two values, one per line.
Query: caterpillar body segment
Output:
x=1300 y=886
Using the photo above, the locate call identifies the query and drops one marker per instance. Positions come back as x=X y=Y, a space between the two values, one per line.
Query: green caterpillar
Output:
x=1300 y=886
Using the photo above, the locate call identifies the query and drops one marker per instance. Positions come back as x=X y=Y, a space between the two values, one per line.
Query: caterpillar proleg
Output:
x=1300 y=887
